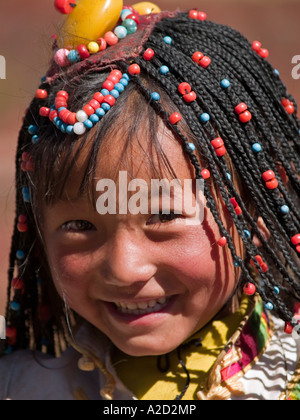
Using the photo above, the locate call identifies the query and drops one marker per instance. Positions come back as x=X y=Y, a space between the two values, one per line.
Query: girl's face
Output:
x=148 y=281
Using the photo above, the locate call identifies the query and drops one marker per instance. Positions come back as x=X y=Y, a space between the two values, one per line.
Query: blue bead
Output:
x=125 y=76
x=204 y=117
x=155 y=96
x=228 y=176
x=124 y=13
x=119 y=87
x=94 y=118
x=256 y=147
x=61 y=108
x=124 y=81
x=164 y=70
x=276 y=290
x=32 y=129
x=43 y=79
x=26 y=195
x=105 y=106
x=269 y=306
x=192 y=146
x=88 y=124
x=236 y=263
x=247 y=234
x=20 y=255
x=115 y=93
x=74 y=56
x=120 y=32
x=105 y=92
x=168 y=40
x=35 y=139
x=15 y=306
x=100 y=112
x=130 y=25
x=225 y=83
x=285 y=209
x=70 y=129
x=277 y=72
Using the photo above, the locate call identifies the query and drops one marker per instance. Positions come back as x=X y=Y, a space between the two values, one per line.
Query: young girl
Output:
x=112 y=299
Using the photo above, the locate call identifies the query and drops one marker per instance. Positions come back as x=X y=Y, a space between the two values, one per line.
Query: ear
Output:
x=263 y=230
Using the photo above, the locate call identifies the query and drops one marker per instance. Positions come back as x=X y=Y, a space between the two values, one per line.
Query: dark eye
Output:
x=163 y=218
x=78 y=226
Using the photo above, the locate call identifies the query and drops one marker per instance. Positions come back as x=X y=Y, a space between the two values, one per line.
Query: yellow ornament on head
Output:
x=146 y=8
x=89 y=20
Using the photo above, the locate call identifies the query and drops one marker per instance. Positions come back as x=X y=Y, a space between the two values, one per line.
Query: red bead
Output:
x=134 y=16
x=148 y=54
x=184 y=88
x=288 y=328
x=111 y=38
x=249 y=289
x=271 y=185
x=261 y=263
x=102 y=44
x=72 y=118
x=222 y=241
x=217 y=142
x=205 y=174
x=53 y=114
x=175 y=118
x=108 y=84
x=83 y=51
x=64 y=114
x=109 y=99
x=268 y=175
x=94 y=104
x=256 y=45
x=88 y=109
x=64 y=6
x=22 y=218
x=236 y=207
x=296 y=239
x=298 y=248
x=263 y=52
x=202 y=16
x=60 y=102
x=113 y=79
x=22 y=227
x=41 y=94
x=44 y=111
x=285 y=102
x=245 y=116
x=134 y=69
x=193 y=14
x=190 y=97
x=11 y=335
x=242 y=107
x=290 y=109
x=116 y=73
x=98 y=97
x=17 y=284
x=197 y=56
x=205 y=62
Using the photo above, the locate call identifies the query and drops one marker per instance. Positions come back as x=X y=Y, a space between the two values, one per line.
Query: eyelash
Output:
x=84 y=225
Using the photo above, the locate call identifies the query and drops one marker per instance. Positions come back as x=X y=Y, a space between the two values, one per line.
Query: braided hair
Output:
x=269 y=141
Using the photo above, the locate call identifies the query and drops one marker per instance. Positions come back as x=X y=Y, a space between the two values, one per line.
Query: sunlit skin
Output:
x=137 y=258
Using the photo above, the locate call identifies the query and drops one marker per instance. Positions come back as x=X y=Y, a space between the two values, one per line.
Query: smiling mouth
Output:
x=141 y=308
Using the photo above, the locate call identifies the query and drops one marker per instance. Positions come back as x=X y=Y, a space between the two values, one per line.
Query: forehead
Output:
x=142 y=156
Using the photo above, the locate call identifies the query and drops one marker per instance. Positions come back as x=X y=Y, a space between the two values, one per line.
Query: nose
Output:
x=128 y=260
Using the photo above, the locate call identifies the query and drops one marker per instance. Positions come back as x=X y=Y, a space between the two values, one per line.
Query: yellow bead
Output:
x=146 y=7
x=89 y=20
x=93 y=47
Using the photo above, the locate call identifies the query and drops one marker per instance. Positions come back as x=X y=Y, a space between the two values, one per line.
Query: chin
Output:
x=141 y=349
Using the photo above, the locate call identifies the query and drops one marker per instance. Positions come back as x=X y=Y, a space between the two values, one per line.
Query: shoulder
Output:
x=28 y=375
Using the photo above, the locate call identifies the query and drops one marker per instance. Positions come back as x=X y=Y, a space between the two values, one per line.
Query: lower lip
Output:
x=139 y=318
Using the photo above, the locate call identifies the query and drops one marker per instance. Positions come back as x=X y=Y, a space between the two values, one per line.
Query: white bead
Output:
x=81 y=116
x=79 y=128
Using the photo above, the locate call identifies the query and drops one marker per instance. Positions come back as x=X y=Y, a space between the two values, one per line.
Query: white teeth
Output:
x=142 y=307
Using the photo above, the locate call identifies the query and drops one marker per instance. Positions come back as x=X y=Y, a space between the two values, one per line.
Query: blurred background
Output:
x=26 y=28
